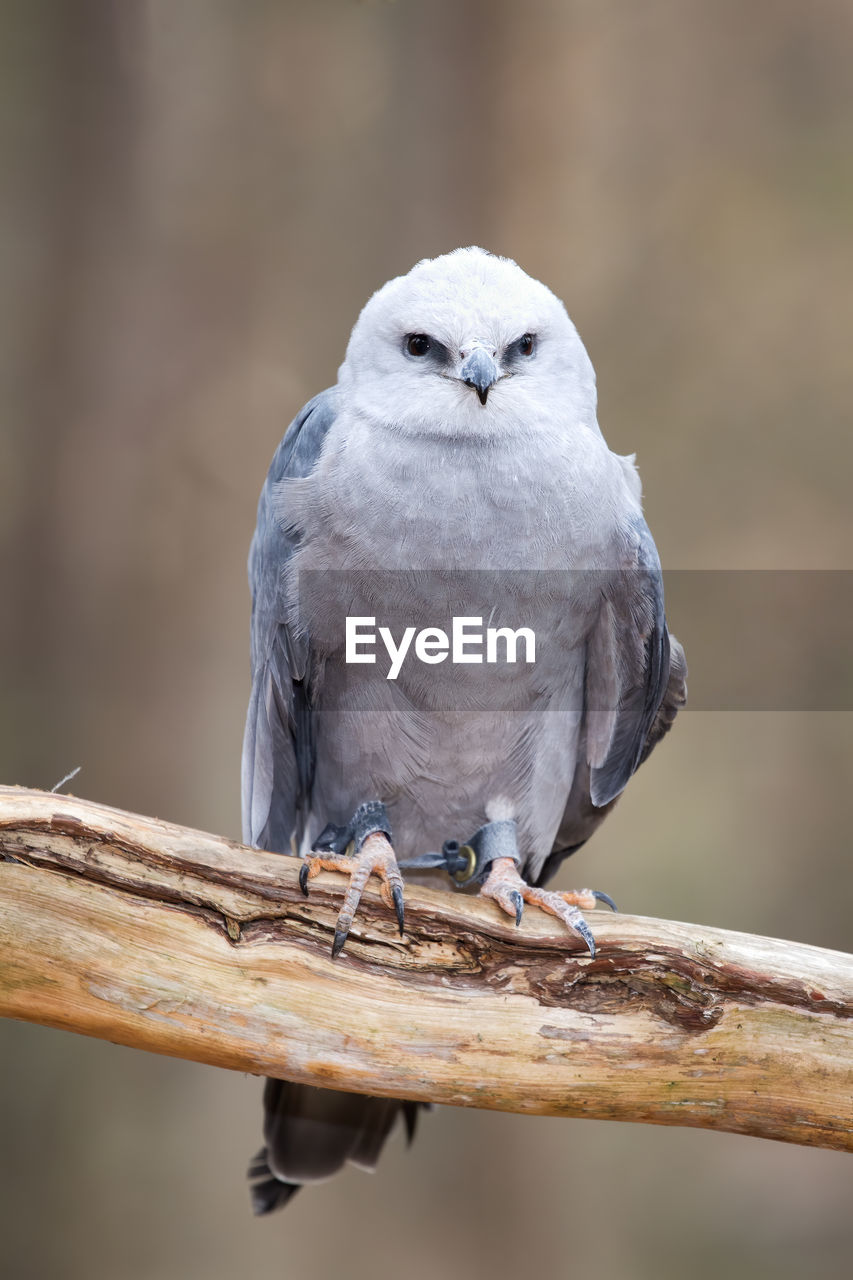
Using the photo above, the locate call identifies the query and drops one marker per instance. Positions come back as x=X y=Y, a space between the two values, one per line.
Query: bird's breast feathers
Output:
x=550 y=500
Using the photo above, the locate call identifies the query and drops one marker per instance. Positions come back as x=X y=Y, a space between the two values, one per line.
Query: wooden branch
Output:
x=182 y=943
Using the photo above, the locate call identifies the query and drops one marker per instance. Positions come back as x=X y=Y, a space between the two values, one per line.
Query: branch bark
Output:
x=167 y=939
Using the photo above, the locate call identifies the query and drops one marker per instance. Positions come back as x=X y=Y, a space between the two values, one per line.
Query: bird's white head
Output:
x=468 y=344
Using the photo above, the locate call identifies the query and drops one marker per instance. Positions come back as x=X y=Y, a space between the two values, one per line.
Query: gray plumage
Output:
x=469 y=479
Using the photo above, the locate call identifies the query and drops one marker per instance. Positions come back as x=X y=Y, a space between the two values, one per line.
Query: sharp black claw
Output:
x=303 y=878
x=585 y=932
x=518 y=902
x=397 y=894
x=605 y=898
x=338 y=943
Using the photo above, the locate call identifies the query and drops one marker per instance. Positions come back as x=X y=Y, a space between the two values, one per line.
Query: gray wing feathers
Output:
x=257 y=768
x=277 y=746
x=673 y=700
x=628 y=671
x=635 y=684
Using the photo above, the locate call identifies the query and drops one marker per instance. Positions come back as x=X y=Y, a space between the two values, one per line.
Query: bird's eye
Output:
x=526 y=344
x=418 y=344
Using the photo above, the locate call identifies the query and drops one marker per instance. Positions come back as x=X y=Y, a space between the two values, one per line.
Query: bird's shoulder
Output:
x=295 y=458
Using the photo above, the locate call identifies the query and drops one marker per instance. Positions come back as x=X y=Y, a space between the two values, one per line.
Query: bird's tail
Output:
x=267 y=1191
x=312 y=1133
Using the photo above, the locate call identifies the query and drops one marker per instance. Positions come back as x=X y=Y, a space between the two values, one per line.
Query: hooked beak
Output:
x=479 y=371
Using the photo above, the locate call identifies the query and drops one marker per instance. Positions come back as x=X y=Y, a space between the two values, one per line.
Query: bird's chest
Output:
x=462 y=576
x=459 y=506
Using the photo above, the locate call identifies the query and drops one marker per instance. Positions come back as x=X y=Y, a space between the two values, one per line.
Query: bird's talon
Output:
x=580 y=926
x=505 y=885
x=375 y=857
x=340 y=938
x=397 y=894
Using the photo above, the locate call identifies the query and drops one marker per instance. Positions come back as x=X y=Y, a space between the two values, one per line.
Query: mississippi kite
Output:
x=455 y=472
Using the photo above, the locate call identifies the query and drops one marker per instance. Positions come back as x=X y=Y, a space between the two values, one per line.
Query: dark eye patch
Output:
x=523 y=348
x=421 y=346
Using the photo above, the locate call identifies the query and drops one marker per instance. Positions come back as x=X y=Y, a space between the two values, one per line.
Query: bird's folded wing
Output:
x=278 y=743
x=628 y=671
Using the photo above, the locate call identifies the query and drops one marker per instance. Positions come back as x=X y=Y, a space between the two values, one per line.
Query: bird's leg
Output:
x=509 y=890
x=359 y=850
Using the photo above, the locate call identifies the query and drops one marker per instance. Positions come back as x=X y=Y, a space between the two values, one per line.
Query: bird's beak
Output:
x=479 y=371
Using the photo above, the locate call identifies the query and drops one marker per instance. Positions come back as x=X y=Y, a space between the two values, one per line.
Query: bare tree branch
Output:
x=167 y=939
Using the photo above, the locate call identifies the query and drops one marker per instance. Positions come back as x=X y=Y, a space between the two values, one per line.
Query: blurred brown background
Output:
x=199 y=195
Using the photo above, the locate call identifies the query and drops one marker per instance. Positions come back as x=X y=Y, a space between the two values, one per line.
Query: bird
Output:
x=455 y=475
